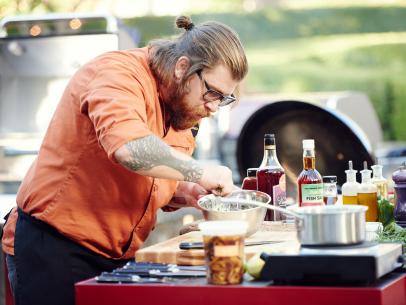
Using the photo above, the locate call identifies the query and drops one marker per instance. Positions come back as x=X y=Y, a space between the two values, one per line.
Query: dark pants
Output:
x=46 y=264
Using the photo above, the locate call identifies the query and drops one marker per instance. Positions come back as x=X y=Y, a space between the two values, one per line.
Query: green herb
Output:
x=393 y=233
x=385 y=208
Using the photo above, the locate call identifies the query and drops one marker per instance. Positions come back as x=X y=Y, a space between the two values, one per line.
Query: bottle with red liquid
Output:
x=310 y=183
x=250 y=182
x=271 y=177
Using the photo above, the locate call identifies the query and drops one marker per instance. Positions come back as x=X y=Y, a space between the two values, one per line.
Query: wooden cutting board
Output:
x=168 y=252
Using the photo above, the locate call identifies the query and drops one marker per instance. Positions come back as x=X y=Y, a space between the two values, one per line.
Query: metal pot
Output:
x=329 y=225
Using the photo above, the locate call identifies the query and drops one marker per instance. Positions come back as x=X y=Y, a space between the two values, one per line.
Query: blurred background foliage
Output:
x=320 y=46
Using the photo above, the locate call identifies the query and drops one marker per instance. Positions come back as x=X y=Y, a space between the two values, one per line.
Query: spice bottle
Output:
x=351 y=187
x=380 y=182
x=330 y=190
x=367 y=194
x=250 y=182
x=310 y=184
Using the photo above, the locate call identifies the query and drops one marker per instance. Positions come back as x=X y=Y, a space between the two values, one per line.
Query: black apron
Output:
x=49 y=264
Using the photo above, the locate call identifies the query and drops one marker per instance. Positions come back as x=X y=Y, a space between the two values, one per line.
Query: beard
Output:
x=182 y=114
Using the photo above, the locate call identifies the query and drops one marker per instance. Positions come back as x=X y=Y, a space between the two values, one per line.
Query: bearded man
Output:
x=118 y=149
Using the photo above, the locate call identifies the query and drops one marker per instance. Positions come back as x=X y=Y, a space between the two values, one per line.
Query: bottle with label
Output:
x=350 y=188
x=380 y=182
x=310 y=184
x=367 y=194
x=271 y=177
x=250 y=182
x=330 y=190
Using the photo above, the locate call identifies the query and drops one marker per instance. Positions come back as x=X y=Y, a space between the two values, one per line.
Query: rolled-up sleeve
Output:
x=115 y=104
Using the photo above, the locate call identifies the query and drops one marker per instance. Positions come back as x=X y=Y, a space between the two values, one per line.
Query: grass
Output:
x=320 y=49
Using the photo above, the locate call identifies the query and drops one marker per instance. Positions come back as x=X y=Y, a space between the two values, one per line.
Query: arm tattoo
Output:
x=149 y=152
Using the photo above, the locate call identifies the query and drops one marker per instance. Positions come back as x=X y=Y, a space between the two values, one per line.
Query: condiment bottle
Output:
x=330 y=190
x=380 y=182
x=367 y=194
x=351 y=187
x=310 y=184
x=271 y=177
x=250 y=182
x=399 y=178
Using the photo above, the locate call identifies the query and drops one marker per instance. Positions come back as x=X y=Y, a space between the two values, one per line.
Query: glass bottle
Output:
x=351 y=187
x=380 y=182
x=310 y=184
x=271 y=177
x=367 y=194
x=329 y=190
x=250 y=182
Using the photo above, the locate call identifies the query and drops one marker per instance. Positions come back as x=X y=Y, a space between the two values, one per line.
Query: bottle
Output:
x=380 y=182
x=367 y=194
x=351 y=187
x=271 y=177
x=329 y=190
x=399 y=178
x=250 y=182
x=310 y=184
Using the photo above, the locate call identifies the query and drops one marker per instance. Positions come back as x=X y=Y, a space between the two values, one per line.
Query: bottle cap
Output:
x=330 y=179
x=399 y=177
x=377 y=170
x=308 y=144
x=351 y=173
x=366 y=173
x=269 y=139
x=252 y=172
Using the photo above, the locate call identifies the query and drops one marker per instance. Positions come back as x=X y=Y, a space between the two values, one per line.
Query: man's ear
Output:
x=181 y=67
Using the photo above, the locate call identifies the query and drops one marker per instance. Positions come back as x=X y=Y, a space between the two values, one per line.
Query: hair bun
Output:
x=184 y=22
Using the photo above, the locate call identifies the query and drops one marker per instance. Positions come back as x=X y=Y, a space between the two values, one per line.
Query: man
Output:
x=117 y=149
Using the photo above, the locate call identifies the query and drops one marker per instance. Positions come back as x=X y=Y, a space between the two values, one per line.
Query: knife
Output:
x=199 y=245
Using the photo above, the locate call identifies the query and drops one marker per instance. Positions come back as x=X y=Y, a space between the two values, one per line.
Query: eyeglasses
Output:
x=212 y=95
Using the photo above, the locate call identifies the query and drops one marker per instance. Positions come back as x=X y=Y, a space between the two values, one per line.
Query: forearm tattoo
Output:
x=149 y=152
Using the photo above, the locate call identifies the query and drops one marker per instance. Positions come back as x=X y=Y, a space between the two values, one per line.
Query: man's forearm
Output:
x=153 y=157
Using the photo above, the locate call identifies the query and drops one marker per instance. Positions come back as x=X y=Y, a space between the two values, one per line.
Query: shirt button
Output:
x=155 y=187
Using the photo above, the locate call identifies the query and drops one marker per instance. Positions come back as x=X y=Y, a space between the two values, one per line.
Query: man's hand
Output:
x=187 y=194
x=217 y=180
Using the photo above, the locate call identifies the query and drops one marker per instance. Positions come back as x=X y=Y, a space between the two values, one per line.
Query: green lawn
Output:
x=319 y=49
x=374 y=63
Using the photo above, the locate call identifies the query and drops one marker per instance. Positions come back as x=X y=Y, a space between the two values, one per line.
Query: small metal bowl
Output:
x=253 y=215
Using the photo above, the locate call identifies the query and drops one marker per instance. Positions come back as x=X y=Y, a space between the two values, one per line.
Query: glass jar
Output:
x=250 y=182
x=330 y=190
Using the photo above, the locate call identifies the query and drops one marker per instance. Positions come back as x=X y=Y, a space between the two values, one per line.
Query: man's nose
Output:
x=213 y=106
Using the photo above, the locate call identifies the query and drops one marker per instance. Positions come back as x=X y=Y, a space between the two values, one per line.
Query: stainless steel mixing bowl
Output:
x=253 y=215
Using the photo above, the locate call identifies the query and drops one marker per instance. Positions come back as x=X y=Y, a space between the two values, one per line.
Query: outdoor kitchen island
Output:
x=389 y=289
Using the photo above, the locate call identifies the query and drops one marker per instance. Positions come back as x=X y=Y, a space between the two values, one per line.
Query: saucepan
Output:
x=321 y=225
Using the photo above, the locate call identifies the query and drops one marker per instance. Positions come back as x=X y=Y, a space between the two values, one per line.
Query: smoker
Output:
x=38 y=55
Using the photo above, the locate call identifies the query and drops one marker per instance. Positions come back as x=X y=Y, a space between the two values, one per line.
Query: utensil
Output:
x=327 y=225
x=319 y=225
x=199 y=245
x=213 y=208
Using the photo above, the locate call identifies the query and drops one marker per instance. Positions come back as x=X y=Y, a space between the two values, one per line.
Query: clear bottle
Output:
x=351 y=187
x=250 y=182
x=330 y=190
x=380 y=182
x=271 y=177
x=367 y=194
x=310 y=184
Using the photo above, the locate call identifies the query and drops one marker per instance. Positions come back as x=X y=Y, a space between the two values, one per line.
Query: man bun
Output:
x=184 y=22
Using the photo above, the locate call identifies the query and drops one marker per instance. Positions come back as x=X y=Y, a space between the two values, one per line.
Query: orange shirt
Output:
x=75 y=185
